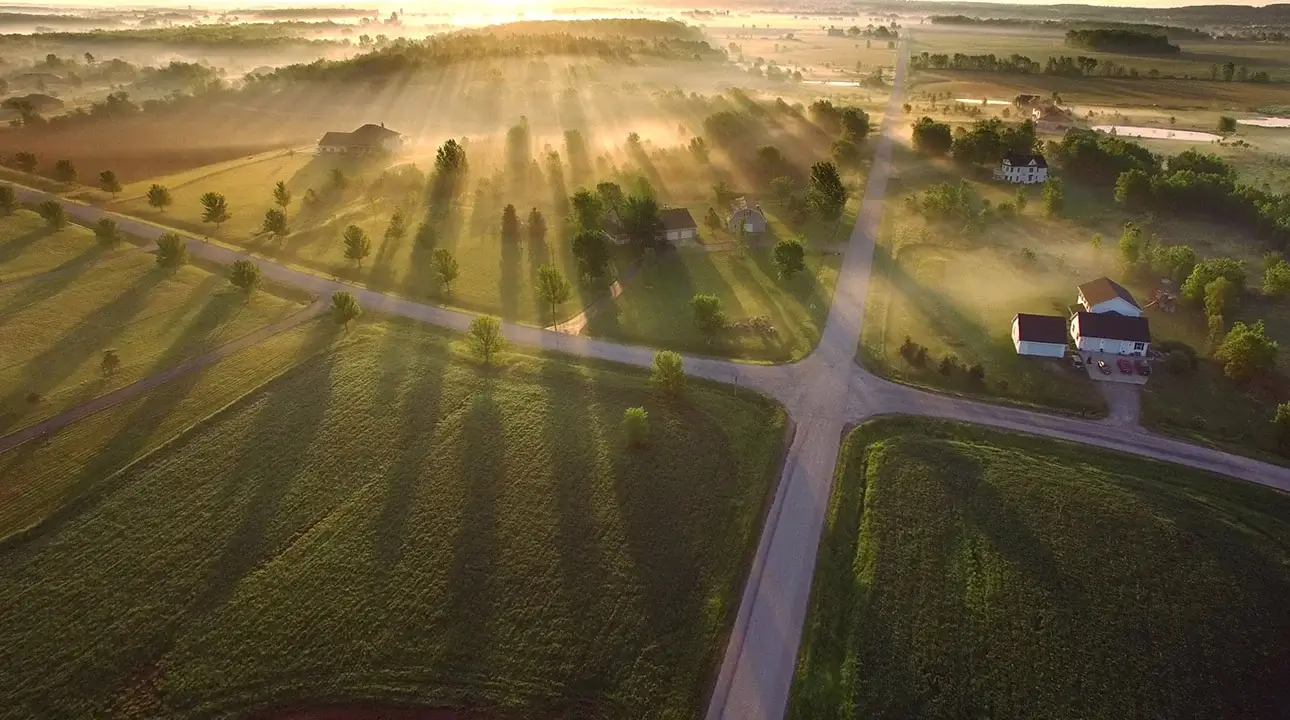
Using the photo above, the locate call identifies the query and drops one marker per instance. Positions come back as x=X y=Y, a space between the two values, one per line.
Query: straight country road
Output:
x=823 y=394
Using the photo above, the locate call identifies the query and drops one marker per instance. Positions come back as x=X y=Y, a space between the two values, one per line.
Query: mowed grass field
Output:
x=965 y=572
x=390 y=522
x=28 y=246
x=54 y=330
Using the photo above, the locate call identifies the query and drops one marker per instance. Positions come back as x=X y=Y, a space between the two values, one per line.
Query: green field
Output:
x=966 y=572
x=28 y=246
x=54 y=330
x=480 y=539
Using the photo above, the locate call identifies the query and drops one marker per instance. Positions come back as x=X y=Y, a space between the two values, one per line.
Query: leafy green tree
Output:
x=588 y=210
x=1226 y=124
x=281 y=196
x=536 y=226
x=1022 y=200
x=65 y=171
x=426 y=235
x=1220 y=297
x=159 y=197
x=855 y=123
x=275 y=223
x=1054 y=197
x=712 y=219
x=109 y=183
x=552 y=288
x=790 y=258
x=344 y=308
x=1133 y=189
x=610 y=194
x=825 y=192
x=450 y=159
x=931 y=137
x=667 y=372
x=110 y=363
x=636 y=426
x=591 y=248
x=214 y=209
x=723 y=193
x=397 y=227
x=510 y=223
x=1281 y=422
x=107 y=232
x=357 y=244
x=53 y=213
x=172 y=250
x=783 y=188
x=25 y=161
x=1193 y=288
x=445 y=266
x=244 y=274
x=1132 y=246
x=8 y=200
x=485 y=337
x=1247 y=351
x=1276 y=278
x=708 y=315
x=641 y=220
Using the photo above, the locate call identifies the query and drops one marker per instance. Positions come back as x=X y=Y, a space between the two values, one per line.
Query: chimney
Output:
x=382 y=124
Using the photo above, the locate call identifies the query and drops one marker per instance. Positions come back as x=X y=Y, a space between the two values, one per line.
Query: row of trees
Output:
x=1069 y=66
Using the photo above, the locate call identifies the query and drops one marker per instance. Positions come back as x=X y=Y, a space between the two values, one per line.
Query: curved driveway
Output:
x=823 y=393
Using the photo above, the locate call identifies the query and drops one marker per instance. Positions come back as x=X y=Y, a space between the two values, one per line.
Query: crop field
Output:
x=966 y=572
x=28 y=246
x=483 y=537
x=54 y=330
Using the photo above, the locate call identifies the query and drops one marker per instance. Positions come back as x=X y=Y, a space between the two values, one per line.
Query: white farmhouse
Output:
x=1105 y=295
x=1022 y=169
x=1110 y=332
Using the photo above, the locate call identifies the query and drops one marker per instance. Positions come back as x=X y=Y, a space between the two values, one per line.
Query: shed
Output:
x=746 y=218
x=1039 y=335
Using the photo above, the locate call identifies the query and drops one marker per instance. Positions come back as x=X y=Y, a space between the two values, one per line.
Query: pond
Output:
x=1157 y=133
x=1267 y=122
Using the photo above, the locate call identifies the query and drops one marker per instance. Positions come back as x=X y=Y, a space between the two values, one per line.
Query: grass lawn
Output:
x=54 y=330
x=965 y=572
x=390 y=522
x=28 y=246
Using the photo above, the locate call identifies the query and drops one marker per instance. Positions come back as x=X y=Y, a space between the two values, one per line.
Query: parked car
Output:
x=1126 y=367
x=1143 y=367
x=1077 y=361
x=1103 y=368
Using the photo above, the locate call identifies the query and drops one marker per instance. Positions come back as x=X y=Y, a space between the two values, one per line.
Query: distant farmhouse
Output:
x=1022 y=169
x=746 y=219
x=1106 y=320
x=678 y=226
x=366 y=140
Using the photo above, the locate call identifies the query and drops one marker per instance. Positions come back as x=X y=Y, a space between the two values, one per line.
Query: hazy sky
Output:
x=452 y=5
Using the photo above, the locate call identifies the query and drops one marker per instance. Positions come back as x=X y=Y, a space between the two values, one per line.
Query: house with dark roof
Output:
x=1022 y=169
x=365 y=140
x=678 y=226
x=1110 y=332
x=1106 y=295
x=1039 y=335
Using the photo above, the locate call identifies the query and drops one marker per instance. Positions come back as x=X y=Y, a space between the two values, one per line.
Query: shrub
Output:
x=948 y=365
x=636 y=426
x=34 y=398
x=977 y=373
x=667 y=372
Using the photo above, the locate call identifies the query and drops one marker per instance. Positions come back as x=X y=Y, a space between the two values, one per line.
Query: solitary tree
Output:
x=667 y=372
x=344 y=308
x=357 y=245
x=510 y=223
x=636 y=425
x=537 y=226
x=825 y=193
x=24 y=161
x=281 y=196
x=107 y=232
x=338 y=180
x=1054 y=197
x=108 y=183
x=708 y=315
x=485 y=337
x=1247 y=351
x=159 y=197
x=790 y=258
x=445 y=266
x=53 y=213
x=275 y=223
x=244 y=274
x=397 y=228
x=1226 y=124
x=172 y=251
x=65 y=171
x=8 y=200
x=214 y=209
x=450 y=159
x=110 y=363
x=552 y=288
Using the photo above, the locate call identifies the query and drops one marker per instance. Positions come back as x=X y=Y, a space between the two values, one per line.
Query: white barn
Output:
x=1039 y=335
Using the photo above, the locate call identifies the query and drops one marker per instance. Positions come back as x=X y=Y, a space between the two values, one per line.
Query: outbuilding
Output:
x=1105 y=295
x=1039 y=335
x=678 y=225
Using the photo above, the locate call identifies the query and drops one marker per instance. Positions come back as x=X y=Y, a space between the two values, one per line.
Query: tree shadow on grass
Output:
x=508 y=288
x=13 y=248
x=57 y=280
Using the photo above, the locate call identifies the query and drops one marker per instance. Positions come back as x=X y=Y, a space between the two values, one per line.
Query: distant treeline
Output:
x=13 y=18
x=1067 y=66
x=222 y=35
x=602 y=28
x=1171 y=31
x=307 y=13
x=402 y=56
x=1121 y=41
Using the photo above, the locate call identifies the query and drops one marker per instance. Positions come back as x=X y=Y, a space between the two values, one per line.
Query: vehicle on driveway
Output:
x=1125 y=366
x=1103 y=368
x=1143 y=367
x=1077 y=362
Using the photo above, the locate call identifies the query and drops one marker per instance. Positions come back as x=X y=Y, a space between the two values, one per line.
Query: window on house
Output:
x=1139 y=347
